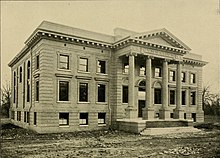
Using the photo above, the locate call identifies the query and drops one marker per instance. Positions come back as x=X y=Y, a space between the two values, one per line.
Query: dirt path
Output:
x=19 y=142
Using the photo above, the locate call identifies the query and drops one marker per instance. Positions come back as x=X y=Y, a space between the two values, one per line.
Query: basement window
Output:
x=63 y=119
x=101 y=118
x=83 y=118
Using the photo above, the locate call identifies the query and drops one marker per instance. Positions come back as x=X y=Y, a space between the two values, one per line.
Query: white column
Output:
x=164 y=112
x=131 y=110
x=178 y=112
x=148 y=111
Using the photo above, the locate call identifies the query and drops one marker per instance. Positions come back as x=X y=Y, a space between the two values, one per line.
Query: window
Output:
x=157 y=96
x=64 y=62
x=101 y=118
x=83 y=92
x=183 y=97
x=171 y=115
x=142 y=71
x=101 y=93
x=28 y=91
x=63 y=119
x=28 y=117
x=19 y=116
x=125 y=94
x=172 y=97
x=192 y=78
x=37 y=91
x=126 y=68
x=158 y=72
x=101 y=67
x=25 y=117
x=35 y=118
x=172 y=75
x=63 y=91
x=193 y=98
x=37 y=62
x=14 y=95
x=20 y=77
x=142 y=86
x=183 y=77
x=83 y=64
x=83 y=118
x=28 y=69
x=194 y=117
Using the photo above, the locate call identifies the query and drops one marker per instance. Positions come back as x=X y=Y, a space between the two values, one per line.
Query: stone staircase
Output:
x=169 y=130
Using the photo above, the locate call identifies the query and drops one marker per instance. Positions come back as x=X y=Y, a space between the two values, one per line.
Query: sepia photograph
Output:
x=130 y=79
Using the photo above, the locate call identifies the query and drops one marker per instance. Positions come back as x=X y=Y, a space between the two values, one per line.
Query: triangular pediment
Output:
x=159 y=41
x=162 y=37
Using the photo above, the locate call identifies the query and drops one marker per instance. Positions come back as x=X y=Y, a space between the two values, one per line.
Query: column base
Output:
x=131 y=113
x=148 y=114
x=164 y=114
x=178 y=114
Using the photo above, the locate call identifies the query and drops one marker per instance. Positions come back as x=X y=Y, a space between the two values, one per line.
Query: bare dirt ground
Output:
x=18 y=142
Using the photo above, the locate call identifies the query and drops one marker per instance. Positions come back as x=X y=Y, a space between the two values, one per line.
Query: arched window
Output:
x=20 y=77
x=28 y=69
x=142 y=85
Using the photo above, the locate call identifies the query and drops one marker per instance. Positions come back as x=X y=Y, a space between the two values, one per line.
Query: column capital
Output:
x=131 y=54
x=149 y=57
x=166 y=60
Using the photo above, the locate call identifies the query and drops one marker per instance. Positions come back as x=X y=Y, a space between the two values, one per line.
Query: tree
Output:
x=5 y=99
x=210 y=101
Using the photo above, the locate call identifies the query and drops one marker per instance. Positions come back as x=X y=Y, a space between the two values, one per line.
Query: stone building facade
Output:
x=67 y=79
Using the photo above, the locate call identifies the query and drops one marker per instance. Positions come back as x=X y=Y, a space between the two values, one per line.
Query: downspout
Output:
x=24 y=82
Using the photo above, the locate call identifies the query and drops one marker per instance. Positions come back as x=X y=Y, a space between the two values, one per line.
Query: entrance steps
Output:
x=168 y=130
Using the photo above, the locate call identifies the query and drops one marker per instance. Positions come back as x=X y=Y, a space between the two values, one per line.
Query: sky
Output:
x=195 y=22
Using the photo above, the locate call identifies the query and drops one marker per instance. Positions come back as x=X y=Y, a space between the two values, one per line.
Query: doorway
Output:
x=141 y=104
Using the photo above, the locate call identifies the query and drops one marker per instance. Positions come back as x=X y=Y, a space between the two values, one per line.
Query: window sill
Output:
x=102 y=74
x=65 y=126
x=79 y=102
x=124 y=103
x=83 y=125
x=68 y=70
x=65 y=102
x=85 y=72
x=102 y=103
x=102 y=125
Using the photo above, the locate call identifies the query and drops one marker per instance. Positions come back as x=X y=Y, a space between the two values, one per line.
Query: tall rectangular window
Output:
x=172 y=75
x=28 y=91
x=192 y=78
x=25 y=117
x=28 y=70
x=19 y=116
x=101 y=93
x=63 y=119
x=101 y=118
x=83 y=64
x=37 y=91
x=101 y=66
x=183 y=97
x=158 y=72
x=183 y=77
x=126 y=68
x=37 y=62
x=35 y=118
x=20 y=77
x=83 y=92
x=157 y=96
x=63 y=91
x=125 y=94
x=14 y=90
x=28 y=117
x=64 y=62
x=193 y=98
x=83 y=118
x=172 y=97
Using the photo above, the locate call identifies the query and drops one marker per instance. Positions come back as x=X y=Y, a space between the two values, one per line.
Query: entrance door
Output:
x=141 y=104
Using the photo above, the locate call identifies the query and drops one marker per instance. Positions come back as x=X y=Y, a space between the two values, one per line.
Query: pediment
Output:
x=162 y=37
x=159 y=41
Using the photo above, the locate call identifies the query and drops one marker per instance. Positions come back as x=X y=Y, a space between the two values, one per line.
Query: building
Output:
x=68 y=79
